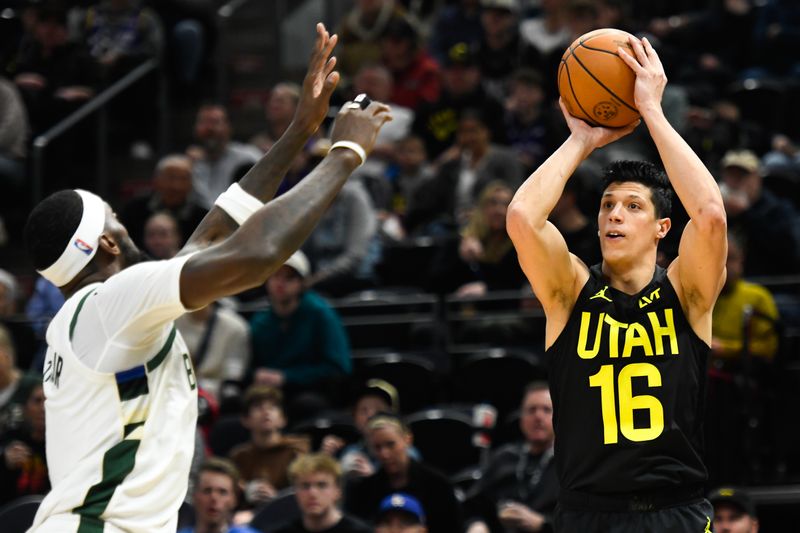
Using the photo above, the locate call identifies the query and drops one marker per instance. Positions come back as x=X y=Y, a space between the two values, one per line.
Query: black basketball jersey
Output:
x=627 y=377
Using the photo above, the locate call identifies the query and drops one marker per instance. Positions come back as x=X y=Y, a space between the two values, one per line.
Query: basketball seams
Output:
x=601 y=84
x=575 y=96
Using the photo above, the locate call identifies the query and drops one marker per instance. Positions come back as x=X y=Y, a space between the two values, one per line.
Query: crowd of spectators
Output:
x=473 y=94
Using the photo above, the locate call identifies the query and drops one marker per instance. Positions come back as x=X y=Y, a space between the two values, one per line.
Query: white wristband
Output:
x=238 y=203
x=357 y=148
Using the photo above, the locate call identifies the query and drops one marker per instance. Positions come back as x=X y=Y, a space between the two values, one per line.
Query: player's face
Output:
x=214 y=499
x=399 y=522
x=317 y=493
x=129 y=253
x=730 y=519
x=390 y=446
x=536 y=418
x=627 y=223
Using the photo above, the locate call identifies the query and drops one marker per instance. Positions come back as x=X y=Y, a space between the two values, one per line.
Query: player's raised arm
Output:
x=555 y=275
x=273 y=232
x=263 y=179
x=700 y=266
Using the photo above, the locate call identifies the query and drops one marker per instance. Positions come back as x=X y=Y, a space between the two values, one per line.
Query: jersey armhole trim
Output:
x=158 y=358
x=74 y=321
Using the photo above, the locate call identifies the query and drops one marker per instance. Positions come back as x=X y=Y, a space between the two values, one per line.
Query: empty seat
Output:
x=444 y=438
x=279 y=511
x=414 y=377
x=17 y=516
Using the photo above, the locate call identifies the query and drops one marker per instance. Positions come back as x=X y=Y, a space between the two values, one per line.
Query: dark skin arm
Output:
x=264 y=242
x=264 y=178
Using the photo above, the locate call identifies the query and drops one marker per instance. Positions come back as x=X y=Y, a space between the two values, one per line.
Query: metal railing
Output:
x=98 y=104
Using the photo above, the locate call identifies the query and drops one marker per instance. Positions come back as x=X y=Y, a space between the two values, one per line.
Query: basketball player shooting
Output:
x=121 y=399
x=627 y=340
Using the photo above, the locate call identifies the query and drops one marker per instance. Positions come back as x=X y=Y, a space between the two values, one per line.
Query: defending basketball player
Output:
x=628 y=340
x=121 y=403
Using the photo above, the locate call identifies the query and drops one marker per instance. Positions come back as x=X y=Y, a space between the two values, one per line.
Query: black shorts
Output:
x=689 y=518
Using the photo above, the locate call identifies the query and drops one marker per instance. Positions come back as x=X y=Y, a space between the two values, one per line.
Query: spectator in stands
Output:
x=457 y=22
x=53 y=74
x=375 y=80
x=15 y=385
x=264 y=461
x=13 y=143
x=483 y=259
x=415 y=74
x=400 y=513
x=299 y=343
x=22 y=334
x=437 y=123
x=530 y=126
x=218 y=339
x=121 y=34
x=23 y=468
x=361 y=30
x=737 y=298
x=770 y=225
x=546 y=34
x=215 y=498
x=42 y=306
x=579 y=233
x=518 y=488
x=734 y=511
x=172 y=192
x=342 y=248
x=317 y=481
x=218 y=161
x=390 y=440
x=499 y=52
x=375 y=396
x=446 y=202
x=279 y=111
x=162 y=237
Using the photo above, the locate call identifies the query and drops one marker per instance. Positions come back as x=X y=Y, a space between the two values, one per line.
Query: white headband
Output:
x=82 y=245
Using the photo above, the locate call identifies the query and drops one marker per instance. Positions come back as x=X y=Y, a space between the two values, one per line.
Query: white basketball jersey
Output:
x=119 y=443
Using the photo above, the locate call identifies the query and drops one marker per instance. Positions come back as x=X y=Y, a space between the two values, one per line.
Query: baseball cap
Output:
x=382 y=389
x=299 y=263
x=745 y=159
x=507 y=5
x=738 y=498
x=402 y=502
x=461 y=54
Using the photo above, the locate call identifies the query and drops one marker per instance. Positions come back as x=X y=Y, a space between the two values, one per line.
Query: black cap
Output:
x=461 y=54
x=736 y=497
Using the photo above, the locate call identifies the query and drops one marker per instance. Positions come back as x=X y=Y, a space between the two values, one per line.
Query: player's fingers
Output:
x=651 y=53
x=638 y=50
x=629 y=60
x=331 y=81
x=329 y=66
x=378 y=107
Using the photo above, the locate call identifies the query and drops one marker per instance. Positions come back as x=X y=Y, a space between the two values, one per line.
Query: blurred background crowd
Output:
x=402 y=347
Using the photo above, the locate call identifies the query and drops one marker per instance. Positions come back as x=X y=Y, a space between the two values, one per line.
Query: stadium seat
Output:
x=414 y=378
x=277 y=512
x=227 y=432
x=17 y=516
x=317 y=428
x=496 y=376
x=444 y=438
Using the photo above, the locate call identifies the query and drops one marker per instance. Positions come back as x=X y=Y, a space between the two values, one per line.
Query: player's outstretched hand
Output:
x=650 y=76
x=594 y=136
x=358 y=125
x=319 y=83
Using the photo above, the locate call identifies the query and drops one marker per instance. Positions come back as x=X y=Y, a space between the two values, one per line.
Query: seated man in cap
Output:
x=299 y=343
x=400 y=513
x=734 y=511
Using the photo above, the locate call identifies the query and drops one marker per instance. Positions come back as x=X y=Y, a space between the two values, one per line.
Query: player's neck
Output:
x=324 y=521
x=629 y=277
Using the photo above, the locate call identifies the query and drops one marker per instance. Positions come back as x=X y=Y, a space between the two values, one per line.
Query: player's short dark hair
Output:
x=50 y=226
x=648 y=175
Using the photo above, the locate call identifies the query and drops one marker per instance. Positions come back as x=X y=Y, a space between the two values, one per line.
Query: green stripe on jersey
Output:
x=153 y=363
x=128 y=428
x=74 y=320
x=118 y=462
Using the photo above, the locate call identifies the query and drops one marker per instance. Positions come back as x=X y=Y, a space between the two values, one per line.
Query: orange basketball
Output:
x=595 y=83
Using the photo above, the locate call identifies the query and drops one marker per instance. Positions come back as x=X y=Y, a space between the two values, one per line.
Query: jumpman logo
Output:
x=601 y=294
x=708 y=526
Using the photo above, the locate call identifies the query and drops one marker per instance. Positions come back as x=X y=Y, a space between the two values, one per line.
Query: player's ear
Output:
x=664 y=225
x=109 y=244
